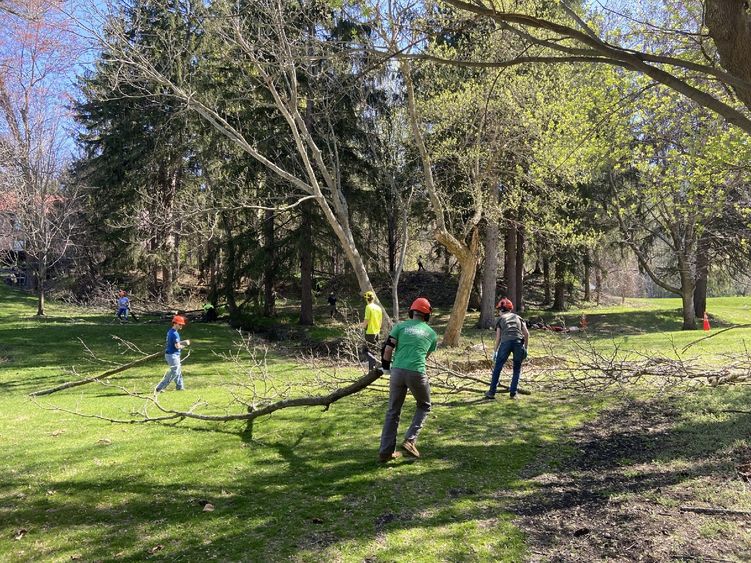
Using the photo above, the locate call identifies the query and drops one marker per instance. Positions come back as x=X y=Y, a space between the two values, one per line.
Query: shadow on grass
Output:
x=308 y=491
x=603 y=483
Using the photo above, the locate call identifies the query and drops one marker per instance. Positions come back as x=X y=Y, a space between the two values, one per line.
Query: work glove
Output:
x=495 y=356
x=385 y=365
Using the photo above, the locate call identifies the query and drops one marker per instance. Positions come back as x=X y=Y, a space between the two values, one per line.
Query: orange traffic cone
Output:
x=706 y=321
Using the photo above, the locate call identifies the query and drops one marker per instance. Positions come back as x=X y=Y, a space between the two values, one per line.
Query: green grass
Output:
x=644 y=325
x=300 y=485
x=303 y=485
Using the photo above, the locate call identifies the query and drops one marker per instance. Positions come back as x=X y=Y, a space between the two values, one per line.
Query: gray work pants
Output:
x=400 y=381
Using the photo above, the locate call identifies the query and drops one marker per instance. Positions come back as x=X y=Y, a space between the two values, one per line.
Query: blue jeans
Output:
x=175 y=373
x=122 y=312
x=504 y=350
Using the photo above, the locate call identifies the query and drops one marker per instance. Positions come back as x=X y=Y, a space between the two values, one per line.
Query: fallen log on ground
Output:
x=100 y=377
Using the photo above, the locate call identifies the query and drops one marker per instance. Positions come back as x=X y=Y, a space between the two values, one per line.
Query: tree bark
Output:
x=687 y=286
x=598 y=279
x=42 y=276
x=467 y=258
x=702 y=275
x=519 y=281
x=489 y=275
x=230 y=270
x=729 y=24
x=559 y=298
x=546 y=294
x=509 y=261
x=269 y=295
x=587 y=275
x=306 y=263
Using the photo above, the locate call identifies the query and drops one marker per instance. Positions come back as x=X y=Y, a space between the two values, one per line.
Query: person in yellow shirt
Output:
x=371 y=324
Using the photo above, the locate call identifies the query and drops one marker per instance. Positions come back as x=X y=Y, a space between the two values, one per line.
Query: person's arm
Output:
x=180 y=344
x=525 y=332
x=497 y=339
x=387 y=352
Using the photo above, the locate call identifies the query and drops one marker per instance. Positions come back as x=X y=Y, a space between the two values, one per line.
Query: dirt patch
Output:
x=620 y=488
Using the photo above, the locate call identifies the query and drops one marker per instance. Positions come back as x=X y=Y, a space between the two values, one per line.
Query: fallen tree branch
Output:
x=710 y=510
x=687 y=346
x=252 y=413
x=96 y=378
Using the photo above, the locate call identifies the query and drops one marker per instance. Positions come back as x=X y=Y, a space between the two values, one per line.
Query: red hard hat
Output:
x=422 y=305
x=179 y=320
x=505 y=304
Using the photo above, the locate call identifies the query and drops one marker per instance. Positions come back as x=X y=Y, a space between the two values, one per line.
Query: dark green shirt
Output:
x=414 y=340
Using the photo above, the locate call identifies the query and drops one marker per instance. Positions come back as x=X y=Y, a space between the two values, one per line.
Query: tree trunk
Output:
x=559 y=298
x=489 y=276
x=167 y=282
x=519 y=282
x=404 y=236
x=468 y=263
x=230 y=271
x=509 y=261
x=546 y=296
x=702 y=275
x=269 y=295
x=306 y=263
x=587 y=274
x=729 y=24
x=687 y=296
x=42 y=275
x=598 y=279
x=538 y=260
x=391 y=234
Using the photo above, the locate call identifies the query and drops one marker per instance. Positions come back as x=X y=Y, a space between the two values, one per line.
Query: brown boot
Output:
x=409 y=447
x=385 y=458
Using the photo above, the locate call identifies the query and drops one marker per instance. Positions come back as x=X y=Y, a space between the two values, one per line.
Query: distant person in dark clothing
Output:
x=332 y=304
x=209 y=313
x=420 y=267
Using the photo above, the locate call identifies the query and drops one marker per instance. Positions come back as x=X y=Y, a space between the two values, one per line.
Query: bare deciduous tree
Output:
x=36 y=53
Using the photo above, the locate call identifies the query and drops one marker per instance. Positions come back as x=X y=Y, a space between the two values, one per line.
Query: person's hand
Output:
x=186 y=342
x=495 y=355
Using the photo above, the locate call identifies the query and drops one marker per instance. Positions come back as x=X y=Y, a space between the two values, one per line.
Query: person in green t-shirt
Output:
x=371 y=324
x=408 y=346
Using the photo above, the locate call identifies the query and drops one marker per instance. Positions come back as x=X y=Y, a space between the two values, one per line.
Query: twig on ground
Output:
x=712 y=510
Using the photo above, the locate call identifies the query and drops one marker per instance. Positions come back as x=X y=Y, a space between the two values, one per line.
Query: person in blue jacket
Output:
x=123 y=305
x=172 y=355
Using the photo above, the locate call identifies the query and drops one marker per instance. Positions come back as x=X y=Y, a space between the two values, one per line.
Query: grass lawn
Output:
x=300 y=485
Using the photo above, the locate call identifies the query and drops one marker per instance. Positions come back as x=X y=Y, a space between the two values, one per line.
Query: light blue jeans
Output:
x=175 y=373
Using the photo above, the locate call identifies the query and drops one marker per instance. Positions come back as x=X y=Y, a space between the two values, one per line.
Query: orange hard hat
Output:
x=178 y=320
x=422 y=305
x=505 y=304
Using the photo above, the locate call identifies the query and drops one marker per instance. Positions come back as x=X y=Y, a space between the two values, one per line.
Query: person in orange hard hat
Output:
x=403 y=356
x=511 y=336
x=172 y=355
